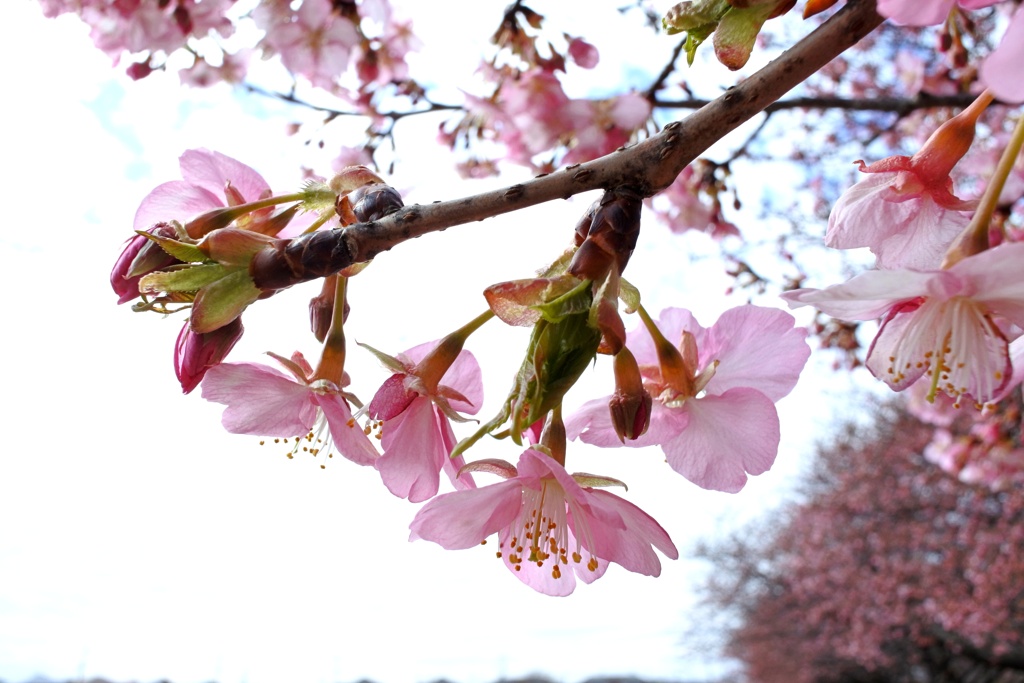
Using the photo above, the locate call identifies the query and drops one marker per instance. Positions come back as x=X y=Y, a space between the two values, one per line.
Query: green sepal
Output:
x=694 y=38
x=390 y=362
x=221 y=302
x=576 y=300
x=629 y=295
x=595 y=481
x=187 y=279
x=183 y=251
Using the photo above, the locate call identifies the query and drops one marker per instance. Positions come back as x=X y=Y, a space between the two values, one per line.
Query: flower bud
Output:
x=140 y=256
x=195 y=353
x=373 y=202
x=630 y=405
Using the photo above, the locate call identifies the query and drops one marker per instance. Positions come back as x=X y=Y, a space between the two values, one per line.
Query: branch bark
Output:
x=644 y=169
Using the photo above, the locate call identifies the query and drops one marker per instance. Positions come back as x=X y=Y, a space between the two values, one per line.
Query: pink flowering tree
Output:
x=924 y=94
x=884 y=569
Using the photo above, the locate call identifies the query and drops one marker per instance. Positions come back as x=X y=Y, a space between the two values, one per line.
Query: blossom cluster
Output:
x=705 y=396
x=946 y=289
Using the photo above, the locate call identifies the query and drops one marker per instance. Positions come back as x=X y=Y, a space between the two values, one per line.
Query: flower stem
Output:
x=332 y=358
x=976 y=233
x=315 y=225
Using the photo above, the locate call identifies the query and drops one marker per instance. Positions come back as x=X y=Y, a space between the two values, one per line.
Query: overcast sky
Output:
x=138 y=541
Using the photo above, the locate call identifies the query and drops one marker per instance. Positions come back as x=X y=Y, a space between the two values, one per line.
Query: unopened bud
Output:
x=139 y=257
x=195 y=353
x=630 y=405
x=233 y=247
x=373 y=202
x=610 y=238
x=321 y=310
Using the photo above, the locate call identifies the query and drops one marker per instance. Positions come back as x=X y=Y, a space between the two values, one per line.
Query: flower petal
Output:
x=349 y=438
x=864 y=297
x=260 y=400
x=462 y=519
x=728 y=437
x=758 y=348
x=414 y=453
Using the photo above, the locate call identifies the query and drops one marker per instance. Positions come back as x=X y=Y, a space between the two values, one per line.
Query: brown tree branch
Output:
x=896 y=105
x=644 y=169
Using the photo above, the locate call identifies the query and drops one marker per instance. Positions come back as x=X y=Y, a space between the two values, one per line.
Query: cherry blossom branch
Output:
x=897 y=105
x=643 y=169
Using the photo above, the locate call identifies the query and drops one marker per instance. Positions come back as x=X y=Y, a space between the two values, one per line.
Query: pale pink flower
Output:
x=552 y=527
x=210 y=180
x=925 y=12
x=936 y=323
x=602 y=126
x=728 y=427
x=1000 y=72
x=415 y=413
x=313 y=42
x=906 y=221
x=266 y=402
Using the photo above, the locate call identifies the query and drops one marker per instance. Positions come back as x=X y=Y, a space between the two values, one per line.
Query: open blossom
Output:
x=717 y=423
x=210 y=180
x=905 y=210
x=903 y=228
x=414 y=410
x=938 y=323
x=266 y=402
x=312 y=41
x=551 y=529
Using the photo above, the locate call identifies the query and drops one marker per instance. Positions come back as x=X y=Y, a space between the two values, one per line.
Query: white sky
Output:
x=138 y=541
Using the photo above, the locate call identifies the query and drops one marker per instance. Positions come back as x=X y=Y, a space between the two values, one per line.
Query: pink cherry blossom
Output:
x=937 y=323
x=1000 y=72
x=210 y=180
x=312 y=41
x=551 y=529
x=749 y=359
x=266 y=402
x=414 y=413
x=905 y=223
x=925 y=12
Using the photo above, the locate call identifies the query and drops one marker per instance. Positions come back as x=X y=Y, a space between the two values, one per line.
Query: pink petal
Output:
x=260 y=400
x=211 y=171
x=592 y=424
x=728 y=437
x=414 y=453
x=758 y=348
x=864 y=297
x=464 y=376
x=915 y=12
x=174 y=201
x=994 y=278
x=463 y=519
x=391 y=399
x=630 y=547
x=349 y=438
